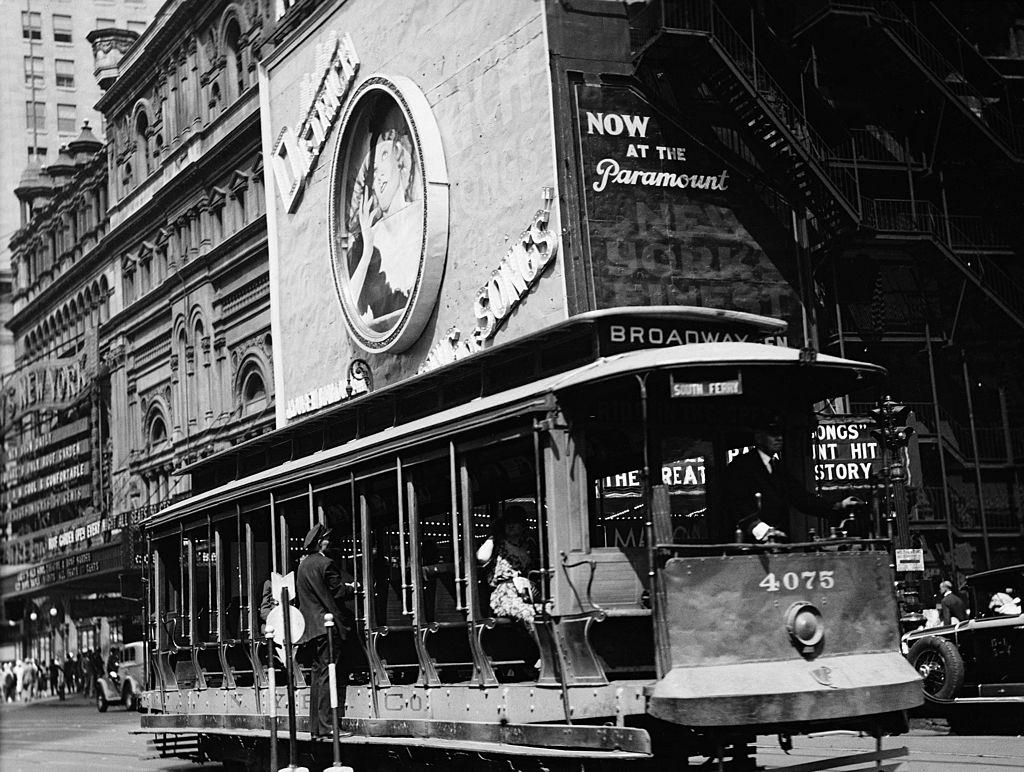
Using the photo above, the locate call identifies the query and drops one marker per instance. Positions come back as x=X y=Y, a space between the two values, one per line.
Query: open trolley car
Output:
x=658 y=636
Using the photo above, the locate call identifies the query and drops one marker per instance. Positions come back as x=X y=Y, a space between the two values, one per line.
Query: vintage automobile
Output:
x=979 y=661
x=123 y=686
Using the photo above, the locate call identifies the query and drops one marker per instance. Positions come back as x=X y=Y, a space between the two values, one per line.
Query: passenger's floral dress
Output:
x=510 y=562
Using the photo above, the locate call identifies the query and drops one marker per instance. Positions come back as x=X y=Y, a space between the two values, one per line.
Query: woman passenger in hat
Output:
x=513 y=554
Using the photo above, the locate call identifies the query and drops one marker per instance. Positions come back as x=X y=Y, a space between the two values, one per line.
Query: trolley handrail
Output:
x=807 y=546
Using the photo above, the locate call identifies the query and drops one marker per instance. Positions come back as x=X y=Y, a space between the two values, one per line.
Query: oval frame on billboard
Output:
x=388 y=214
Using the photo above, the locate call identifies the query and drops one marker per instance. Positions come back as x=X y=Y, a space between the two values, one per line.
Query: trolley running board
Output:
x=547 y=740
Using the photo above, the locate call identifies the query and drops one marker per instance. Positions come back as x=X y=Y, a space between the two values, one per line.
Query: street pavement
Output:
x=73 y=735
x=931 y=749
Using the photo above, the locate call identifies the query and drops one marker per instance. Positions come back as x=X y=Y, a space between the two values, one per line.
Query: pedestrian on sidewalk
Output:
x=56 y=682
x=9 y=682
x=87 y=673
x=70 y=682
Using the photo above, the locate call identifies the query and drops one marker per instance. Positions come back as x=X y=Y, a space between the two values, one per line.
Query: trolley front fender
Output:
x=780 y=638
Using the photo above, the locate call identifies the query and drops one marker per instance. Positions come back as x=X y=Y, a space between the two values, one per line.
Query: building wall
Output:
x=74 y=99
x=163 y=288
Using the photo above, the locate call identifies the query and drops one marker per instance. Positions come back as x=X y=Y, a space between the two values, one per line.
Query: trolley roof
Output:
x=835 y=376
x=556 y=348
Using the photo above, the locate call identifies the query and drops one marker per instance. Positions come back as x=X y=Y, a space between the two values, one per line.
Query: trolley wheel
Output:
x=101 y=701
x=940 y=665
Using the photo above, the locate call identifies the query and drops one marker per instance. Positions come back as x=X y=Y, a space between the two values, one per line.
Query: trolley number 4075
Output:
x=791 y=580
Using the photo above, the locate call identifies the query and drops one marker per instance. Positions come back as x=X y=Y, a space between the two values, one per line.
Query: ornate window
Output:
x=252 y=394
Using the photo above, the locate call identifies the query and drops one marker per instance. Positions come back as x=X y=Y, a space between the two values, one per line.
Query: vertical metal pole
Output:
x=289 y=663
x=945 y=211
x=332 y=674
x=977 y=461
x=753 y=50
x=947 y=506
x=538 y=463
x=1008 y=440
x=910 y=180
x=403 y=563
x=460 y=590
x=272 y=698
x=273 y=535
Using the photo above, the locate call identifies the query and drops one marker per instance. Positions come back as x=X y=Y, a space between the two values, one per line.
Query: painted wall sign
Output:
x=296 y=152
x=661 y=224
x=389 y=214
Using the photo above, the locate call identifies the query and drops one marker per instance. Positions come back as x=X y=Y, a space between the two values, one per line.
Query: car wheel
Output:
x=101 y=702
x=940 y=665
x=131 y=702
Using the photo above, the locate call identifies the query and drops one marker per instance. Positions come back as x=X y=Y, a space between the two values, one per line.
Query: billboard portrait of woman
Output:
x=383 y=221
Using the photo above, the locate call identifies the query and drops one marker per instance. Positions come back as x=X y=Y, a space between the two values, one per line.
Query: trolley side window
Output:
x=503 y=480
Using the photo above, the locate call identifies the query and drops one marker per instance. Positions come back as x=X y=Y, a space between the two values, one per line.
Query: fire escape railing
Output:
x=918 y=48
x=966 y=240
x=922 y=217
x=706 y=19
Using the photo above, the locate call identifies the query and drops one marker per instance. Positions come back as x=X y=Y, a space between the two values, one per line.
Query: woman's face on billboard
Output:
x=385 y=173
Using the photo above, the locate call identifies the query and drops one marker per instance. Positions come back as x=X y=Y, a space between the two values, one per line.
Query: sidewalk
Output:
x=76 y=700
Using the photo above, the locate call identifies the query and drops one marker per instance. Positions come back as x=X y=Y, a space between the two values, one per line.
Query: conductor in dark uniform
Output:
x=760 y=471
x=320 y=590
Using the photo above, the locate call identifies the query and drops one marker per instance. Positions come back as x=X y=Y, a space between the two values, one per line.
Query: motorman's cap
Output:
x=316 y=533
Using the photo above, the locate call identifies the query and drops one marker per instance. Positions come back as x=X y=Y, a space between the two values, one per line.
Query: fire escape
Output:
x=677 y=36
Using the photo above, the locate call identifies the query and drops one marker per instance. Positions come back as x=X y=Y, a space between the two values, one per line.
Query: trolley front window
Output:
x=685 y=443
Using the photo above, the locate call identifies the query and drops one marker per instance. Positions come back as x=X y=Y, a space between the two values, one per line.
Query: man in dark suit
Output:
x=760 y=471
x=951 y=607
x=320 y=590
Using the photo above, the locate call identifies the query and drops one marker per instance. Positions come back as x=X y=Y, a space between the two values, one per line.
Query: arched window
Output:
x=156 y=431
x=235 y=64
x=142 y=143
x=252 y=391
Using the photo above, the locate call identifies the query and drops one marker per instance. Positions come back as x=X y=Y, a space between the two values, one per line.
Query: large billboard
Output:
x=412 y=199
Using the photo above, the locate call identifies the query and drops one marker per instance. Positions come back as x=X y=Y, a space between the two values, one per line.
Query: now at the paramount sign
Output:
x=639 y=154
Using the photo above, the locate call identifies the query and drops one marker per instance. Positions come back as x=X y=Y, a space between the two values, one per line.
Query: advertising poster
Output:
x=412 y=210
x=660 y=217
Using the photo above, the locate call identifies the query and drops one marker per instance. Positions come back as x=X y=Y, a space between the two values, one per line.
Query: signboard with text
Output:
x=660 y=216
x=845 y=454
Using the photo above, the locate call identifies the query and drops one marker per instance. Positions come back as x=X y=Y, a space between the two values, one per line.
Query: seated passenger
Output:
x=510 y=553
x=1005 y=603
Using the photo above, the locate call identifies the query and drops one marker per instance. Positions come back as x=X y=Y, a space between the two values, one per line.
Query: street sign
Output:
x=910 y=560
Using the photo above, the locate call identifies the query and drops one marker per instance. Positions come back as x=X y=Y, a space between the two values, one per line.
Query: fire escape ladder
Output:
x=744 y=84
x=980 y=110
x=901 y=218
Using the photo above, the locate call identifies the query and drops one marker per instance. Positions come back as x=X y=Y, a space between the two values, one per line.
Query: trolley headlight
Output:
x=805 y=625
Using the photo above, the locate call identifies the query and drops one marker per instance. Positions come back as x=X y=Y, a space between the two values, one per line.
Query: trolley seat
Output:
x=781 y=636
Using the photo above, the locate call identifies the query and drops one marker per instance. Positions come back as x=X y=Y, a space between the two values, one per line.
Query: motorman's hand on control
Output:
x=848 y=503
